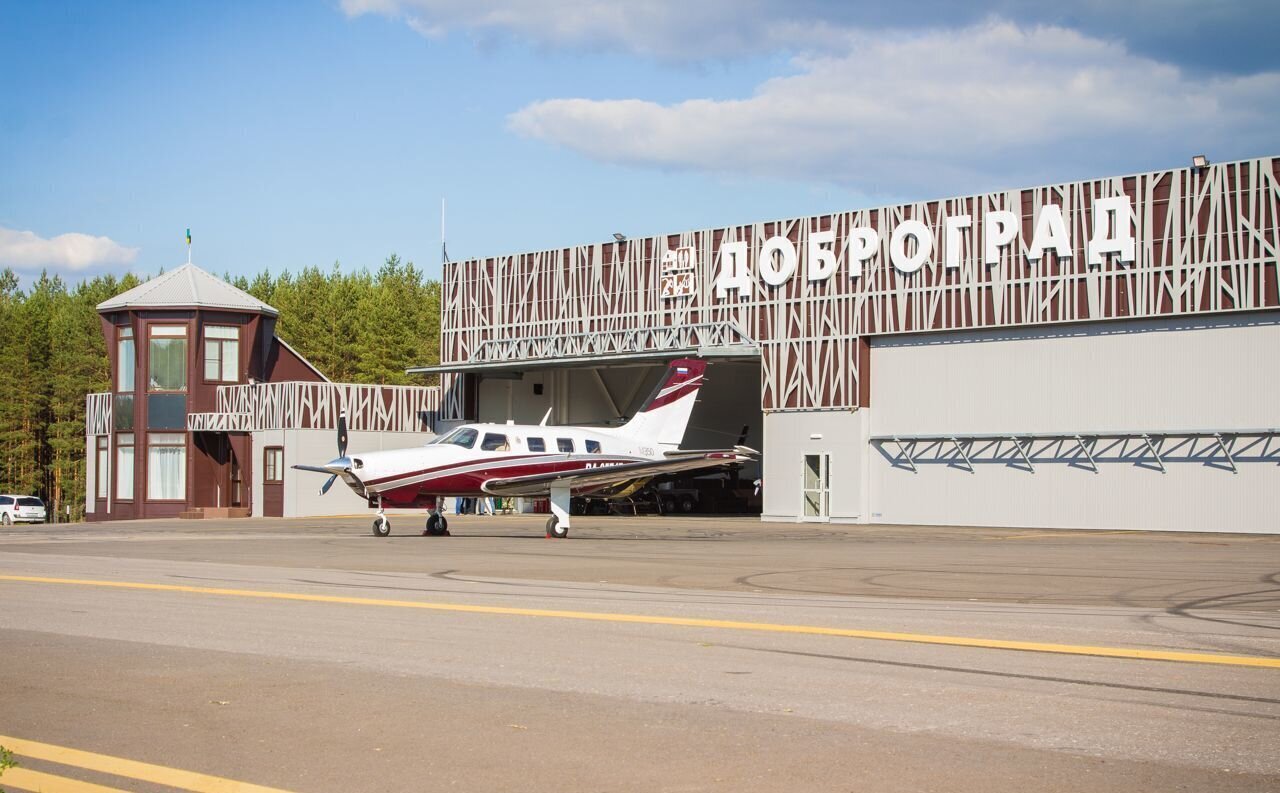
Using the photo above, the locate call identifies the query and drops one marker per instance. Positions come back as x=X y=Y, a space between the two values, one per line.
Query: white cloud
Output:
x=683 y=31
x=24 y=250
x=939 y=109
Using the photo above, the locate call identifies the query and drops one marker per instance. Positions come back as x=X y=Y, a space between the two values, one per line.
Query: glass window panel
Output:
x=230 y=361
x=103 y=466
x=168 y=364
x=812 y=504
x=124 y=467
x=122 y=412
x=812 y=471
x=212 y=360
x=564 y=444
x=274 y=472
x=493 y=442
x=221 y=332
x=169 y=330
x=593 y=447
x=126 y=363
x=166 y=412
x=537 y=445
x=167 y=467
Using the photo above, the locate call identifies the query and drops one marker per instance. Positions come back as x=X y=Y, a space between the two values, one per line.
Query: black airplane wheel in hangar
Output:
x=608 y=393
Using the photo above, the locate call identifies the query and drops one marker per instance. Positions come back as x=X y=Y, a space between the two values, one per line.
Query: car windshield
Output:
x=463 y=436
x=30 y=501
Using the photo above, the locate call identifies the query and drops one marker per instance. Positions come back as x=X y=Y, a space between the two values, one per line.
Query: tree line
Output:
x=357 y=327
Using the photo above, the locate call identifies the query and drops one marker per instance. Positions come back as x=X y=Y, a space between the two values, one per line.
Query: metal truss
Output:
x=1086 y=442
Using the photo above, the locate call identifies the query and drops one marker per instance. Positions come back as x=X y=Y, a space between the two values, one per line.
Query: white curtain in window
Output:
x=124 y=472
x=103 y=471
x=166 y=468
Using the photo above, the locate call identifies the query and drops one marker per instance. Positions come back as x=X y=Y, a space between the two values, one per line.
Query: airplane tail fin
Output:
x=665 y=414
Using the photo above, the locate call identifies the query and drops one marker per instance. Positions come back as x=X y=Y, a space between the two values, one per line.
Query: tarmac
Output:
x=641 y=654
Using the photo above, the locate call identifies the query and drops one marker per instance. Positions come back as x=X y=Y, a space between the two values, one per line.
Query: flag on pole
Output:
x=188 y=236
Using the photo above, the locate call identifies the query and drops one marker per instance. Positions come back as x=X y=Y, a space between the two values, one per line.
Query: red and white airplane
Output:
x=482 y=460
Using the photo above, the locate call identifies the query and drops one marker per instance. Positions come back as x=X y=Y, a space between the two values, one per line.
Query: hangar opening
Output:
x=608 y=393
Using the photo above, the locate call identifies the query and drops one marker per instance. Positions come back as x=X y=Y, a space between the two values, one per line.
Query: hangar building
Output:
x=1096 y=354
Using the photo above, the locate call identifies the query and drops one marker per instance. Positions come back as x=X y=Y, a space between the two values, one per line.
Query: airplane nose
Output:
x=339 y=465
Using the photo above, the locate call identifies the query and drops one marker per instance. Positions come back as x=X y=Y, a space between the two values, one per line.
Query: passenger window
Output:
x=493 y=442
x=537 y=445
x=564 y=445
x=5 y=501
x=593 y=447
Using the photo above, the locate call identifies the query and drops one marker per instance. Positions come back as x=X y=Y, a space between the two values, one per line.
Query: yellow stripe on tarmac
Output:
x=116 y=766
x=37 y=782
x=691 y=622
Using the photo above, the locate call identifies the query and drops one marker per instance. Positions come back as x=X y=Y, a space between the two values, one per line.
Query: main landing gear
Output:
x=436 y=526
x=558 y=523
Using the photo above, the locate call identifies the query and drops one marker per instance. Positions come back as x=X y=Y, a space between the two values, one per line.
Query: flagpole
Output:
x=444 y=248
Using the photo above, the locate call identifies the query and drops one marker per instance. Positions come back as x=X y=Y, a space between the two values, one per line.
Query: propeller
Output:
x=342 y=450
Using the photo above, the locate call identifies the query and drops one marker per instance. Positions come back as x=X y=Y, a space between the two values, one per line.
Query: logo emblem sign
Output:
x=678 y=269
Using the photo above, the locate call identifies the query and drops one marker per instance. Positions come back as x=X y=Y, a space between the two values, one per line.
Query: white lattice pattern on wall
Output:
x=1206 y=242
x=97 y=414
x=304 y=405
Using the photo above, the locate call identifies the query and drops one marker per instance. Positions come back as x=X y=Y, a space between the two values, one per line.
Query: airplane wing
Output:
x=589 y=479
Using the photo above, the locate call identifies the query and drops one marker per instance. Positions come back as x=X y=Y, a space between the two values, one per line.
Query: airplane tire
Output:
x=554 y=530
x=381 y=527
x=437 y=526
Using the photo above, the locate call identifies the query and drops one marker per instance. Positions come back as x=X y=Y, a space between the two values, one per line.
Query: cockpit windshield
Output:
x=462 y=436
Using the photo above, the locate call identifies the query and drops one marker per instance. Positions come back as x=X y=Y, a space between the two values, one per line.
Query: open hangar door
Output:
x=607 y=394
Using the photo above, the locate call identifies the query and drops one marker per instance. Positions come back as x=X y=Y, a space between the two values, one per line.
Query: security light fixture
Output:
x=619 y=237
x=1199 y=162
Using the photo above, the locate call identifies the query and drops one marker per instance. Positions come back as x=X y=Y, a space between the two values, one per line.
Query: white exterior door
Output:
x=816 y=487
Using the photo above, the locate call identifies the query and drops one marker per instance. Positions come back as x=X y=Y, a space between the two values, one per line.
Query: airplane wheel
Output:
x=381 y=527
x=555 y=530
x=437 y=526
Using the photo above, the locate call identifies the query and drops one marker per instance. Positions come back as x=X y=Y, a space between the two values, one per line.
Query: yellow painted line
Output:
x=116 y=766
x=37 y=782
x=1062 y=533
x=691 y=622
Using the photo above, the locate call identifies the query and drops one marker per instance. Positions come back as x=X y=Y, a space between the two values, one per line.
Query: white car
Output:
x=21 y=509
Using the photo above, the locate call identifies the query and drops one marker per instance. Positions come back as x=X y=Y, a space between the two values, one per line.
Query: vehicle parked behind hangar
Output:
x=21 y=509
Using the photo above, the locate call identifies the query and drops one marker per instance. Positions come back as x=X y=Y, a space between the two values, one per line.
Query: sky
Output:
x=293 y=134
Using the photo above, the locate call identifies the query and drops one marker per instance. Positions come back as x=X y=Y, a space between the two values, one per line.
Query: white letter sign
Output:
x=821 y=263
x=998 y=230
x=1105 y=239
x=1051 y=234
x=860 y=247
x=777 y=273
x=733 y=270
x=952 y=240
x=898 y=246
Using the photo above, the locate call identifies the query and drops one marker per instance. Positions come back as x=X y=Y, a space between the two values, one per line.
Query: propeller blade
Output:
x=328 y=484
x=342 y=434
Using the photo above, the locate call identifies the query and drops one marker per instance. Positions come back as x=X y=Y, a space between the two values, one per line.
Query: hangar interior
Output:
x=607 y=393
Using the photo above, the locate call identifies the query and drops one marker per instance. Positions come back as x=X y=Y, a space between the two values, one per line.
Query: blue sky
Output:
x=294 y=134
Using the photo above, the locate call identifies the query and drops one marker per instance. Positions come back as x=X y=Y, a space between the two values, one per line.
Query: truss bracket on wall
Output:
x=1087 y=452
x=1154 y=452
x=1222 y=444
x=960 y=449
x=1017 y=443
x=902 y=449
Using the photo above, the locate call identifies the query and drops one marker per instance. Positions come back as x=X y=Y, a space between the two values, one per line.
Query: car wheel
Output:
x=6 y=520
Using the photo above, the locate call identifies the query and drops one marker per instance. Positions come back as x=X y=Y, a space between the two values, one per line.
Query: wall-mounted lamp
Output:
x=1199 y=162
x=619 y=237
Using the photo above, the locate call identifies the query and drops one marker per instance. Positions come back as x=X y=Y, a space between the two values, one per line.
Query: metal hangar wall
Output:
x=1088 y=354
